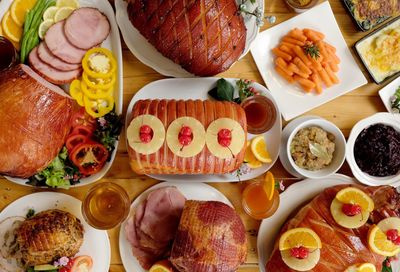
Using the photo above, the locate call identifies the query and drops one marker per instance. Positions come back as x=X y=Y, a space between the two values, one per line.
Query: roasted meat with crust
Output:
x=35 y=118
x=211 y=238
x=48 y=236
x=204 y=37
x=341 y=247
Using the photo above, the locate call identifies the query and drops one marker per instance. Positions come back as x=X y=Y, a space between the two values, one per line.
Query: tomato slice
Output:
x=75 y=139
x=89 y=157
x=81 y=117
x=82 y=264
x=83 y=130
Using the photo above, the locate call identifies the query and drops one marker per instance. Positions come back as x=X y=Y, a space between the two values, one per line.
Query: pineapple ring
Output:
x=197 y=143
x=301 y=264
x=350 y=222
x=133 y=135
x=238 y=138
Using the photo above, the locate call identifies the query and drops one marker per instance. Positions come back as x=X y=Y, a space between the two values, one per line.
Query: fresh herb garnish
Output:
x=30 y=213
x=312 y=50
x=108 y=130
x=386 y=266
x=395 y=101
x=225 y=91
x=61 y=173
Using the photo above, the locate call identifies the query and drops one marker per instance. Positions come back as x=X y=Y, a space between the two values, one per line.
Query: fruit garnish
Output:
x=259 y=149
x=44 y=26
x=351 y=209
x=162 y=266
x=10 y=28
x=299 y=264
x=238 y=138
x=145 y=143
x=269 y=185
x=365 y=267
x=297 y=237
x=224 y=137
x=299 y=252
x=379 y=243
x=393 y=235
x=62 y=13
x=68 y=3
x=250 y=159
x=49 y=13
x=186 y=137
x=351 y=195
x=19 y=8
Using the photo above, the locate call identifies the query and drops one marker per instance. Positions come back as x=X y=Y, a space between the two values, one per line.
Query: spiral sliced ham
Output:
x=164 y=161
x=35 y=118
x=204 y=37
x=47 y=57
x=210 y=237
x=341 y=247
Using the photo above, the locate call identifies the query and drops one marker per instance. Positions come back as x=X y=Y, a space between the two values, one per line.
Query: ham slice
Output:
x=48 y=72
x=35 y=118
x=60 y=47
x=47 y=57
x=86 y=28
x=151 y=230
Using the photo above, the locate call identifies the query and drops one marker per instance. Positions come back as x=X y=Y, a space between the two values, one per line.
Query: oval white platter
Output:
x=113 y=42
x=149 y=55
x=95 y=244
x=197 y=191
x=197 y=88
x=290 y=200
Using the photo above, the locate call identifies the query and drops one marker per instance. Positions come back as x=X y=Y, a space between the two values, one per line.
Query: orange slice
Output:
x=10 y=28
x=259 y=149
x=297 y=237
x=365 y=267
x=378 y=243
x=161 y=266
x=353 y=195
x=250 y=159
x=19 y=9
x=269 y=185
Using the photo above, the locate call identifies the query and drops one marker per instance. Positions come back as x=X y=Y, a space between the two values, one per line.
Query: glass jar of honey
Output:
x=260 y=113
x=256 y=202
x=105 y=206
x=8 y=54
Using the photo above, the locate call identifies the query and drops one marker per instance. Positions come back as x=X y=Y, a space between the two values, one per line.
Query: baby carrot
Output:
x=313 y=32
x=280 y=53
x=325 y=77
x=300 y=53
x=292 y=67
x=284 y=74
x=286 y=49
x=331 y=74
x=292 y=41
x=301 y=65
x=305 y=83
x=317 y=81
x=281 y=63
x=298 y=35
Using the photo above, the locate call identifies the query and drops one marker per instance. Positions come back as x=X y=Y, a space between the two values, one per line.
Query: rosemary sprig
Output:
x=312 y=50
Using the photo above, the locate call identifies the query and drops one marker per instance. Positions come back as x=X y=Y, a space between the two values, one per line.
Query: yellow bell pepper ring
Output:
x=98 y=107
x=76 y=92
x=95 y=93
x=88 y=59
x=110 y=82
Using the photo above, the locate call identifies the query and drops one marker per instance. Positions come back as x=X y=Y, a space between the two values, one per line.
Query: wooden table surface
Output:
x=344 y=111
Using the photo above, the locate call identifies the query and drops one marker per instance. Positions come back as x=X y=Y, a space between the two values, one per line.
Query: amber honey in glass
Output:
x=8 y=54
x=105 y=206
x=256 y=203
x=260 y=113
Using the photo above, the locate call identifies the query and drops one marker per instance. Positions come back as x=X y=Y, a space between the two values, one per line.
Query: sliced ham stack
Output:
x=58 y=58
x=35 y=118
x=152 y=228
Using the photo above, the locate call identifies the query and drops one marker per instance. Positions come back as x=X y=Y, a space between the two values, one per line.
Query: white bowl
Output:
x=338 y=155
x=379 y=118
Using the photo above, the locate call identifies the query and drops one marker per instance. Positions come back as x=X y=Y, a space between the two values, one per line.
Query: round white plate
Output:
x=197 y=88
x=291 y=199
x=113 y=42
x=149 y=55
x=192 y=191
x=96 y=243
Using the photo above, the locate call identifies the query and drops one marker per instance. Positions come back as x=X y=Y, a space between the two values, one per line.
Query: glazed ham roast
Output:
x=48 y=236
x=35 y=118
x=210 y=238
x=164 y=161
x=204 y=37
x=341 y=247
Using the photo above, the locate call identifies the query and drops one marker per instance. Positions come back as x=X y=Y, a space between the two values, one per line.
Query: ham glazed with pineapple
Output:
x=186 y=137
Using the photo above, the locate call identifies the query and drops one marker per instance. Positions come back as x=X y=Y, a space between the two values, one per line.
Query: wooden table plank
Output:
x=342 y=111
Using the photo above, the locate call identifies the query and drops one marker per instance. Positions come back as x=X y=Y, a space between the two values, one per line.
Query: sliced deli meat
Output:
x=47 y=57
x=86 y=27
x=48 y=72
x=35 y=118
x=60 y=47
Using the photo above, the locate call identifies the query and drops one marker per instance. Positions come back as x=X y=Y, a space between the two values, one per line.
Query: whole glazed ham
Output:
x=211 y=238
x=341 y=247
x=164 y=161
x=204 y=37
x=35 y=118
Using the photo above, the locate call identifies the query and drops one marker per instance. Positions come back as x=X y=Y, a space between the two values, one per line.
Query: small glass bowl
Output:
x=299 y=8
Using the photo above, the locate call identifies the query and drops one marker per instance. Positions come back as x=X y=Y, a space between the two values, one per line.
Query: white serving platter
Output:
x=96 y=243
x=149 y=55
x=388 y=91
x=192 y=191
x=197 y=88
x=291 y=99
x=113 y=42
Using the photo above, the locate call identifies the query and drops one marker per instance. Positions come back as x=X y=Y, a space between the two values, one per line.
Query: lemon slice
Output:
x=297 y=237
x=250 y=159
x=68 y=3
x=10 y=28
x=19 y=8
x=365 y=267
x=259 y=149
x=44 y=26
x=378 y=243
x=269 y=185
x=353 y=195
x=62 y=13
x=50 y=13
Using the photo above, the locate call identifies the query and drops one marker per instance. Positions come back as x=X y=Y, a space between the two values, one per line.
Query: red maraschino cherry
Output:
x=224 y=137
x=185 y=136
x=299 y=252
x=351 y=209
x=145 y=134
x=393 y=235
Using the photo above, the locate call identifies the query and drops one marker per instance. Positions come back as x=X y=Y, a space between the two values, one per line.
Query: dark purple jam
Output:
x=377 y=151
